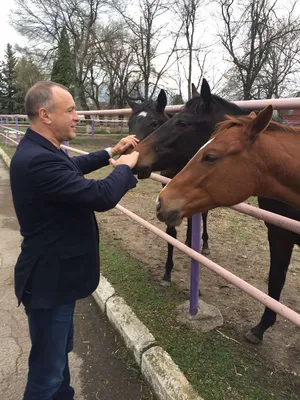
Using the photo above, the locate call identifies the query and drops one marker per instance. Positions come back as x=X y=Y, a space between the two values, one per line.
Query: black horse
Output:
x=145 y=118
x=178 y=140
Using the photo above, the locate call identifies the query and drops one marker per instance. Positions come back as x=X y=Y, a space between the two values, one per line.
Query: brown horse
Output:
x=247 y=156
x=179 y=139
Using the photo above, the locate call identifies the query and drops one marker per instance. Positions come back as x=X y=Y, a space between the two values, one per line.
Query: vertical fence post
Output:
x=2 y=128
x=6 y=134
x=93 y=128
x=17 y=128
x=66 y=143
x=121 y=127
x=195 y=266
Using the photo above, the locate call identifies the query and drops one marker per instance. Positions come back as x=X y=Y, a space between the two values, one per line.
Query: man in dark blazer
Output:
x=55 y=204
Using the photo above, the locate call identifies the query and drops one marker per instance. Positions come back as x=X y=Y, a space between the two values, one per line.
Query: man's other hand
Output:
x=127 y=159
x=124 y=144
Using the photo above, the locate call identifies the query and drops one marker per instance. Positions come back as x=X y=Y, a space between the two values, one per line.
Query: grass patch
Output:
x=217 y=367
x=81 y=140
x=252 y=201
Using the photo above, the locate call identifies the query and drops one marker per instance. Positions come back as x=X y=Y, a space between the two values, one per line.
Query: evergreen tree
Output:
x=63 y=66
x=2 y=109
x=8 y=81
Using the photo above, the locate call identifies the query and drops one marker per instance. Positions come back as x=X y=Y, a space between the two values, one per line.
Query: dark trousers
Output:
x=51 y=334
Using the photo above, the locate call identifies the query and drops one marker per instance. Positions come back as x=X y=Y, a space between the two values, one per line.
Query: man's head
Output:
x=51 y=110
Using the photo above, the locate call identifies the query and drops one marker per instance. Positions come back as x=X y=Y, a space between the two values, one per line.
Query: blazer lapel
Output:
x=36 y=137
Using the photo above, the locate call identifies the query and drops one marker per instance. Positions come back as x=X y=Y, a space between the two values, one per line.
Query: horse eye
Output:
x=210 y=158
x=155 y=124
x=182 y=123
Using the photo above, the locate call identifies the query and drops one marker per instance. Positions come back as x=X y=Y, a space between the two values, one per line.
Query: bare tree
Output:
x=44 y=20
x=176 y=77
x=187 y=12
x=250 y=36
x=231 y=87
x=147 y=37
x=116 y=58
x=95 y=85
x=280 y=72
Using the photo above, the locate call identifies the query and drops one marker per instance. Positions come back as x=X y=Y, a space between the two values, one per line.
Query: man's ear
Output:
x=260 y=122
x=44 y=116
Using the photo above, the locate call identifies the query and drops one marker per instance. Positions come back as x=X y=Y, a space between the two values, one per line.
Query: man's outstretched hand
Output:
x=127 y=159
x=124 y=144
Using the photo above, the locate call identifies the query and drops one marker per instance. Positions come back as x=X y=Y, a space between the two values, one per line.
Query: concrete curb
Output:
x=5 y=157
x=134 y=333
x=162 y=374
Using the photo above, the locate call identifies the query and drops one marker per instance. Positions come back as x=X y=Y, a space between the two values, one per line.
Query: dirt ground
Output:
x=239 y=244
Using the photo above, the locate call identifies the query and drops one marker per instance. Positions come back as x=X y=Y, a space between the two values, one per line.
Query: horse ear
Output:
x=205 y=92
x=252 y=115
x=161 y=101
x=132 y=104
x=194 y=91
x=261 y=122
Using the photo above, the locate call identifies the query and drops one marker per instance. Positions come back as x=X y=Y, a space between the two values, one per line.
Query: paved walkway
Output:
x=99 y=365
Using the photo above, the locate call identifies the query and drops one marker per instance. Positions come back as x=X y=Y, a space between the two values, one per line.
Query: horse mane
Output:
x=197 y=103
x=244 y=121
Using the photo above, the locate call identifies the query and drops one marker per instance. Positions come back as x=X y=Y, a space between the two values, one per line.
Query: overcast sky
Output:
x=7 y=33
x=210 y=26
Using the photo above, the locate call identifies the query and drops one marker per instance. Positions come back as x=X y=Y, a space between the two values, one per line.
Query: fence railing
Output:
x=282 y=104
x=257 y=294
x=267 y=216
x=90 y=125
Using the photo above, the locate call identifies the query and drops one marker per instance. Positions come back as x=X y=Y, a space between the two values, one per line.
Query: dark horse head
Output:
x=147 y=116
x=176 y=141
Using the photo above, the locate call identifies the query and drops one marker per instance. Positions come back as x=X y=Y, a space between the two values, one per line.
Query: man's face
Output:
x=64 y=117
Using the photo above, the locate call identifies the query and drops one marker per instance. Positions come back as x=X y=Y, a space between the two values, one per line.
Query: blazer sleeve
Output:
x=53 y=180
x=92 y=161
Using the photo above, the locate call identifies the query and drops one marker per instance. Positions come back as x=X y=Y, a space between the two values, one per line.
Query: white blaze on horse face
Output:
x=142 y=114
x=157 y=201
x=206 y=144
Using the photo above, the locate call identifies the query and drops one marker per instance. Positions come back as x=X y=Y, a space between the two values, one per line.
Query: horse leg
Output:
x=188 y=240
x=281 y=245
x=166 y=280
x=205 y=249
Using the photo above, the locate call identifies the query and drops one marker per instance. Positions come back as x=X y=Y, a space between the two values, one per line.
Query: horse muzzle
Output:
x=142 y=172
x=170 y=216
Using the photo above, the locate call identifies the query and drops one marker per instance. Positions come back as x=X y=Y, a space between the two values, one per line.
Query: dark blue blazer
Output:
x=55 y=204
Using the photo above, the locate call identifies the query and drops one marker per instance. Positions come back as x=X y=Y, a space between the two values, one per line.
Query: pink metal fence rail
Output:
x=283 y=104
x=257 y=294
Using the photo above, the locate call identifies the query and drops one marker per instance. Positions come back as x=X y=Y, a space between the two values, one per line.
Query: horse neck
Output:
x=279 y=167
